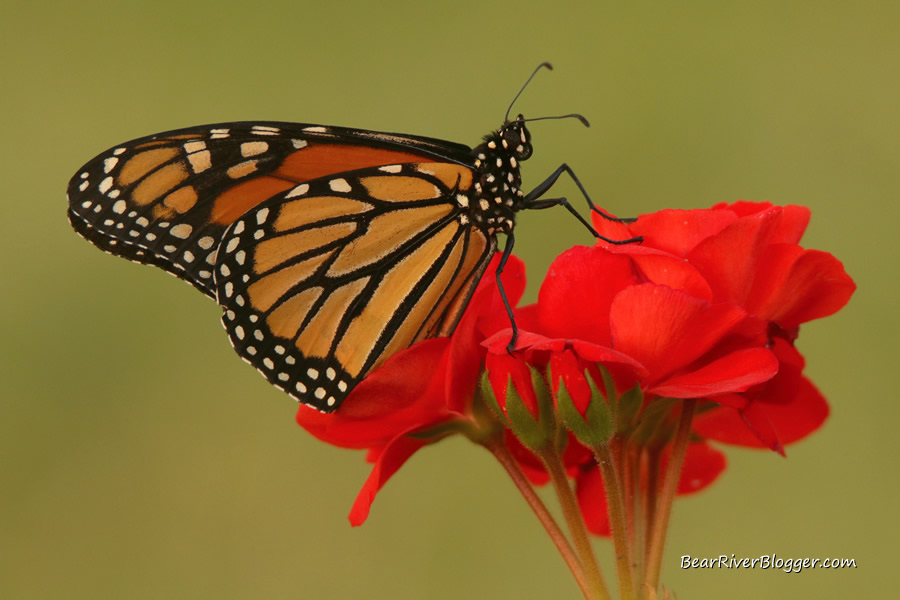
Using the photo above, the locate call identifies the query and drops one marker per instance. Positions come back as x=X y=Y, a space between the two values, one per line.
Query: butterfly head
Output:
x=516 y=138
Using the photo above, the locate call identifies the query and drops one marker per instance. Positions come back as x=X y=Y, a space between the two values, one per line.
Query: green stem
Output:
x=667 y=495
x=501 y=452
x=609 y=459
x=571 y=512
x=635 y=503
x=651 y=497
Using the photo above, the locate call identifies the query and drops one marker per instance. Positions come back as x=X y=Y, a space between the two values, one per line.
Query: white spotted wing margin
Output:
x=322 y=283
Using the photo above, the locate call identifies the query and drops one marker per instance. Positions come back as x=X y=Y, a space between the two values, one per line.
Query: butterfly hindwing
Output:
x=322 y=282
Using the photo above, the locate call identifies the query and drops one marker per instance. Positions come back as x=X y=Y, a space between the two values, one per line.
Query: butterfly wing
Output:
x=322 y=282
x=328 y=248
x=167 y=199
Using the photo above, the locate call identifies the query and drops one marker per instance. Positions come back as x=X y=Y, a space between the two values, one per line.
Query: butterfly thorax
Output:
x=497 y=191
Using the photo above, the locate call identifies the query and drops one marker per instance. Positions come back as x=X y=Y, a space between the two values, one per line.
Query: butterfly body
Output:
x=328 y=249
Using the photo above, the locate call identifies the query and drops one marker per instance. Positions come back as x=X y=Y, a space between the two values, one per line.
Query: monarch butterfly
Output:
x=328 y=248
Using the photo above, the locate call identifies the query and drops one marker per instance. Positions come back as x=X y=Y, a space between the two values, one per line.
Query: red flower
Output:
x=748 y=254
x=706 y=308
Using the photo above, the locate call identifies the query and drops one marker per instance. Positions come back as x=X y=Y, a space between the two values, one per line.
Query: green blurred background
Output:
x=139 y=458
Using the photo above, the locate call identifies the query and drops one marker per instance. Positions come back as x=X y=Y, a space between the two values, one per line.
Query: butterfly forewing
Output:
x=321 y=283
x=167 y=199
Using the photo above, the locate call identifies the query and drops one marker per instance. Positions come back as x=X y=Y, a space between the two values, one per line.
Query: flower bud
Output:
x=596 y=425
x=523 y=402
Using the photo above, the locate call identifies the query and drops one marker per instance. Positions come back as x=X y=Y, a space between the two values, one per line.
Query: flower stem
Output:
x=635 y=506
x=651 y=457
x=501 y=452
x=567 y=501
x=609 y=460
x=667 y=495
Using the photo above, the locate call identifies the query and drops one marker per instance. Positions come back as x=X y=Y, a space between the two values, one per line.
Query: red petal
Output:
x=805 y=414
x=575 y=297
x=738 y=401
x=670 y=270
x=601 y=354
x=759 y=423
x=743 y=208
x=565 y=366
x=525 y=340
x=679 y=231
x=527 y=317
x=775 y=265
x=726 y=425
x=665 y=329
x=462 y=362
x=702 y=465
x=800 y=285
x=394 y=455
x=793 y=221
x=491 y=315
x=729 y=259
x=610 y=229
x=735 y=372
x=503 y=369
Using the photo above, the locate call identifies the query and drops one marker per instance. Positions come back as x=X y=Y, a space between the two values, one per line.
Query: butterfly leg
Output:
x=549 y=202
x=507 y=251
x=542 y=188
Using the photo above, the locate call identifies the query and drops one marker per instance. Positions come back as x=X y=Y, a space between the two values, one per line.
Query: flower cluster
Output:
x=707 y=308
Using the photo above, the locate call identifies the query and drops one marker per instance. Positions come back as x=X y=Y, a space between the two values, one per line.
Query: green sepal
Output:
x=596 y=426
x=609 y=386
x=601 y=412
x=544 y=400
x=627 y=408
x=487 y=392
x=653 y=416
x=533 y=434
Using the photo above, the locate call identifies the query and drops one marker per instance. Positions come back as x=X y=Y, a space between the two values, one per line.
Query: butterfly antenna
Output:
x=569 y=116
x=539 y=67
